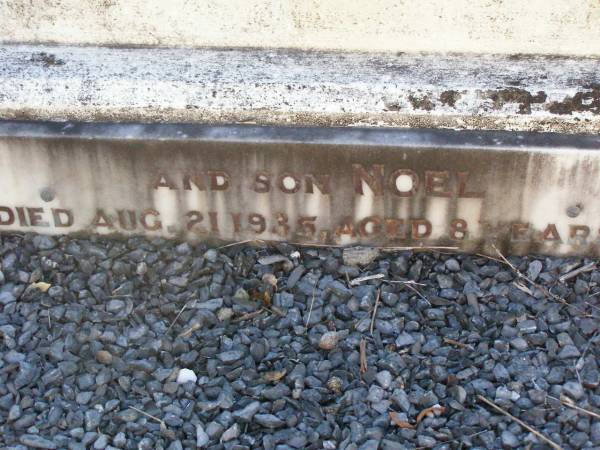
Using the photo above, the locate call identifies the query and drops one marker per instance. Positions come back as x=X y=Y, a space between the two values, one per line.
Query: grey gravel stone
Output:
x=128 y=315
x=202 y=438
x=231 y=433
x=573 y=389
x=44 y=242
x=230 y=356
x=35 y=441
x=404 y=339
x=269 y=420
x=247 y=413
x=509 y=439
x=569 y=351
x=534 y=269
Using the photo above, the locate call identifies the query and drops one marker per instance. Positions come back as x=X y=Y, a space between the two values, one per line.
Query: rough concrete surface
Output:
x=300 y=88
x=491 y=26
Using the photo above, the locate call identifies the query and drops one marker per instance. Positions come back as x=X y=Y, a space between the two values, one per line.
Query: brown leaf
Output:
x=400 y=423
x=275 y=375
x=41 y=285
x=435 y=409
x=269 y=278
x=261 y=296
x=266 y=298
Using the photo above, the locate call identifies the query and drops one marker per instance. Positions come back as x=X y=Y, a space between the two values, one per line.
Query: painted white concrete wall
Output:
x=568 y=27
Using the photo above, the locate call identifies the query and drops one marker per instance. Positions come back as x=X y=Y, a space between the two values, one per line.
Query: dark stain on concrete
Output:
x=449 y=97
x=580 y=102
x=391 y=105
x=522 y=97
x=421 y=102
x=47 y=59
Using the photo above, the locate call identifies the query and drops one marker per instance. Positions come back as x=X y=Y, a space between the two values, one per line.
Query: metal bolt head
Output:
x=47 y=194
x=574 y=210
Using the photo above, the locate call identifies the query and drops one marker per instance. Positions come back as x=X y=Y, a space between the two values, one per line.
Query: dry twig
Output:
x=248 y=316
x=233 y=244
x=312 y=303
x=176 y=317
x=195 y=326
x=520 y=422
x=422 y=248
x=363 y=356
x=457 y=343
x=162 y=422
x=571 y=404
x=375 y=310
x=530 y=281
x=573 y=273
x=357 y=281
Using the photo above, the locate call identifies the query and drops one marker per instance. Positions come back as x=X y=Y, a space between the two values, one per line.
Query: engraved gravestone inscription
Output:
x=318 y=186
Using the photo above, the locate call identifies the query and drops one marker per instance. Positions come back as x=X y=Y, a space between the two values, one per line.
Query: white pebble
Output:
x=186 y=375
x=328 y=341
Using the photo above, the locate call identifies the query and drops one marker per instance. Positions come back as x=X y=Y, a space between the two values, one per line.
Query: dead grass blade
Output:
x=548 y=441
x=363 y=356
x=571 y=404
x=375 y=310
x=573 y=273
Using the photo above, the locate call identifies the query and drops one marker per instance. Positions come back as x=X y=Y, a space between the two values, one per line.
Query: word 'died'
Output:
x=36 y=217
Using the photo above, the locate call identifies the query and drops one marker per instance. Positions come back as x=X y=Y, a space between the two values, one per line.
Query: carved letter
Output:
x=551 y=233
x=519 y=231
x=393 y=182
x=374 y=179
x=281 y=179
x=262 y=182
x=462 y=187
x=579 y=233
x=219 y=180
x=102 y=219
x=35 y=217
x=320 y=181
x=10 y=216
x=57 y=214
x=162 y=180
x=157 y=225
x=123 y=222
x=435 y=182
x=193 y=180
x=416 y=225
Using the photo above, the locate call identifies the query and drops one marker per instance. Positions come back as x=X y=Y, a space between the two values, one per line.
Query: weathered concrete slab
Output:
x=283 y=87
x=524 y=192
x=486 y=26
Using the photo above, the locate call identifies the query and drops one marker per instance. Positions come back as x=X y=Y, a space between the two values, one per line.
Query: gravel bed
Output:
x=152 y=344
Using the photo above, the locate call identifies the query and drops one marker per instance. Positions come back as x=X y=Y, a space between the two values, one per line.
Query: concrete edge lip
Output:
x=382 y=137
x=300 y=88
